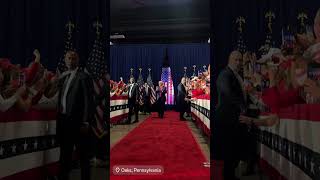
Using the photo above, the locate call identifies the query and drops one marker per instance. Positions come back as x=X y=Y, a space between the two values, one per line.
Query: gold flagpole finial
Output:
x=204 y=67
x=70 y=26
x=240 y=21
x=302 y=17
x=270 y=16
x=98 y=26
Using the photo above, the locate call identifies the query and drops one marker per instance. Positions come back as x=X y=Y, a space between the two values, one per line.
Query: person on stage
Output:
x=146 y=98
x=228 y=132
x=133 y=95
x=161 y=92
x=182 y=98
x=75 y=114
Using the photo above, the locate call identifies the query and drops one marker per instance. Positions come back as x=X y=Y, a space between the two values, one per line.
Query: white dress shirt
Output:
x=67 y=83
x=130 y=90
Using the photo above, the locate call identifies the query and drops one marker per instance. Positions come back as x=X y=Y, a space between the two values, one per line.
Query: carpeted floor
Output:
x=166 y=142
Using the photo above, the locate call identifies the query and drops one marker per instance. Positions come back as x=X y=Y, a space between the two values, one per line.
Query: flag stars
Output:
x=312 y=167
x=305 y=161
x=35 y=144
x=25 y=145
x=14 y=148
x=300 y=158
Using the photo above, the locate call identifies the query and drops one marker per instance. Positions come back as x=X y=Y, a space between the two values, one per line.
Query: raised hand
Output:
x=36 y=53
x=245 y=120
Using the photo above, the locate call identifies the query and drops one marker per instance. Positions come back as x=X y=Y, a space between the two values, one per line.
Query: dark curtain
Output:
x=124 y=57
x=224 y=29
x=29 y=24
x=224 y=14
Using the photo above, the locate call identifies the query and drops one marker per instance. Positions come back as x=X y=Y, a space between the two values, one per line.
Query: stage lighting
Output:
x=117 y=36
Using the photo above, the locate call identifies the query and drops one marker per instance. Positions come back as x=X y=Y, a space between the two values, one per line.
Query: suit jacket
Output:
x=227 y=131
x=80 y=100
x=134 y=95
x=182 y=105
x=146 y=96
x=161 y=95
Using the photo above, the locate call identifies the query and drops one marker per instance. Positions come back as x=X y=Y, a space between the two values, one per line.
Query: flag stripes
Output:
x=167 y=79
x=96 y=67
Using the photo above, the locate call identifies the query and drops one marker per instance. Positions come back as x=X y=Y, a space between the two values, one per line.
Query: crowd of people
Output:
x=285 y=76
x=250 y=87
x=23 y=88
x=152 y=96
x=191 y=88
x=70 y=94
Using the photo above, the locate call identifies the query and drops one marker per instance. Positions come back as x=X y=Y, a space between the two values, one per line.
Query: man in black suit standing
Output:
x=146 y=98
x=133 y=95
x=228 y=132
x=182 y=103
x=75 y=113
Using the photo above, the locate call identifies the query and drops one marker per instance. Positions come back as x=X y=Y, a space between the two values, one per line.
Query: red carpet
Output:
x=166 y=142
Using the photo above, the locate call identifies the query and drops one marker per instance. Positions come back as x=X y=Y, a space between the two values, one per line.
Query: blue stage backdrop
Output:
x=27 y=25
x=124 y=57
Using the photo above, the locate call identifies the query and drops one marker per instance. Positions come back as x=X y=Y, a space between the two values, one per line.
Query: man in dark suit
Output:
x=161 y=92
x=182 y=103
x=133 y=95
x=146 y=98
x=228 y=133
x=75 y=114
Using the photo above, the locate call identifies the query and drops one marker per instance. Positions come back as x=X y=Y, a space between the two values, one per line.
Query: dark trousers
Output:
x=161 y=112
x=147 y=105
x=229 y=168
x=68 y=133
x=101 y=147
x=161 y=107
x=133 y=108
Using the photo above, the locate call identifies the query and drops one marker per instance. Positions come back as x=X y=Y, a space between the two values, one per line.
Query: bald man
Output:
x=182 y=104
x=227 y=130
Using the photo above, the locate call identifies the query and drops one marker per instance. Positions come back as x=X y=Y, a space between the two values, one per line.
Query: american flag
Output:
x=241 y=46
x=97 y=68
x=153 y=92
x=140 y=85
x=166 y=78
x=68 y=45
